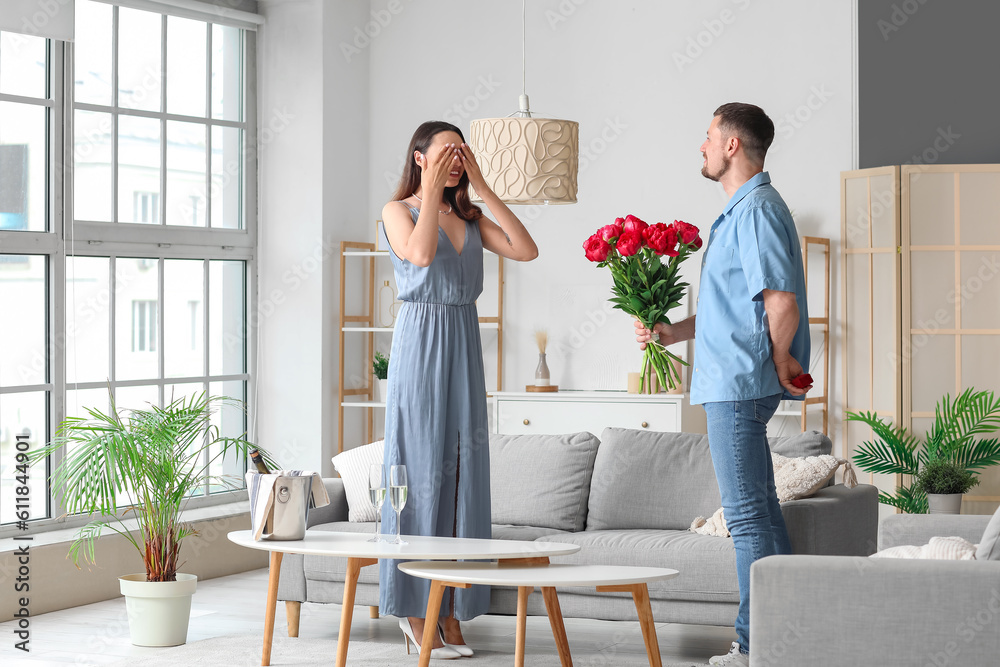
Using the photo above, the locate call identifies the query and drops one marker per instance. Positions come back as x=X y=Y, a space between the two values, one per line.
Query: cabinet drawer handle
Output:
x=645 y=424
x=526 y=422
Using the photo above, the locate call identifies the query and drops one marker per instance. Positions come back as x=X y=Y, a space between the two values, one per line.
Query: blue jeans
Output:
x=737 y=436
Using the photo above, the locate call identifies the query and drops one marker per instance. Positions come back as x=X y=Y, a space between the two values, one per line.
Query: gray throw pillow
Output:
x=809 y=443
x=989 y=545
x=541 y=480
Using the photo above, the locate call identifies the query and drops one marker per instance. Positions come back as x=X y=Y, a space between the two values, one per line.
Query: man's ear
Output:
x=732 y=145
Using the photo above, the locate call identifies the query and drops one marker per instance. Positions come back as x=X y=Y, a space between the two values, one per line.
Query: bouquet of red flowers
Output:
x=645 y=285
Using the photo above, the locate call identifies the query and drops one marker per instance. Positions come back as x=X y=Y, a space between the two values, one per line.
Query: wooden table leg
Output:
x=293 y=610
x=431 y=617
x=640 y=595
x=373 y=612
x=272 y=602
x=558 y=627
x=522 y=623
x=354 y=566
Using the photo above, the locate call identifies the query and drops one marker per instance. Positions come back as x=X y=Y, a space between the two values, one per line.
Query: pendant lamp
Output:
x=526 y=159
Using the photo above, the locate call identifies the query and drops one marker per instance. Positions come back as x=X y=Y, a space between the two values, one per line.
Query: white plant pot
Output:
x=944 y=503
x=158 y=611
x=383 y=390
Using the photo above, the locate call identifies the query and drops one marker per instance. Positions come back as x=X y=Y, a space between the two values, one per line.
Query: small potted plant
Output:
x=380 y=368
x=142 y=466
x=945 y=482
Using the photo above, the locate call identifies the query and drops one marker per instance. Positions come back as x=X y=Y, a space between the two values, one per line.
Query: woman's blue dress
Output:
x=436 y=422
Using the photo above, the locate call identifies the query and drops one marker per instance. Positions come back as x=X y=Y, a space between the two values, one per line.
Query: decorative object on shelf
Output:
x=644 y=286
x=380 y=369
x=387 y=305
x=542 y=381
x=952 y=439
x=945 y=482
x=144 y=465
x=524 y=159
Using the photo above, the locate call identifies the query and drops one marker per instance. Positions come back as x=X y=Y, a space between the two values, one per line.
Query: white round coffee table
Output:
x=526 y=576
x=360 y=553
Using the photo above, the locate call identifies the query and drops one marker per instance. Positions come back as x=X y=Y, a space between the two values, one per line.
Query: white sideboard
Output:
x=518 y=412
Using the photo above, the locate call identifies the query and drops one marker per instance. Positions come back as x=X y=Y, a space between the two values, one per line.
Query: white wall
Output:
x=643 y=90
x=361 y=76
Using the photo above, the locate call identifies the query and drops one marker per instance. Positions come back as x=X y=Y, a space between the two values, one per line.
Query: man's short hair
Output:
x=750 y=124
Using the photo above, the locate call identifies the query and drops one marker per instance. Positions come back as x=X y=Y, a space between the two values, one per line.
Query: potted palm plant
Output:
x=955 y=437
x=945 y=482
x=380 y=368
x=142 y=466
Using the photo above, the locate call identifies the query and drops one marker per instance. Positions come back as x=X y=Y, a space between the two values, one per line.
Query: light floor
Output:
x=97 y=634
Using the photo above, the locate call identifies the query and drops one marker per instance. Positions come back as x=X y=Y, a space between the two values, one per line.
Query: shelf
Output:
x=366 y=253
x=482 y=325
x=362 y=404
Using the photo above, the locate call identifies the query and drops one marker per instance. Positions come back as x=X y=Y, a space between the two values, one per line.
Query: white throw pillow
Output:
x=989 y=544
x=353 y=465
x=801 y=477
x=939 y=548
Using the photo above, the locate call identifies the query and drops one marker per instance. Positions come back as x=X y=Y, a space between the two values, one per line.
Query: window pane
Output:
x=22 y=166
x=186 y=174
x=77 y=402
x=88 y=315
x=137 y=398
x=139 y=65
x=232 y=423
x=92 y=52
x=136 y=319
x=227 y=72
x=22 y=332
x=186 y=53
x=92 y=166
x=227 y=177
x=138 y=169
x=22 y=418
x=22 y=65
x=227 y=317
x=183 y=312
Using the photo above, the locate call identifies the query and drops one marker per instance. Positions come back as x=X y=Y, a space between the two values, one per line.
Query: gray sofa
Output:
x=885 y=612
x=628 y=498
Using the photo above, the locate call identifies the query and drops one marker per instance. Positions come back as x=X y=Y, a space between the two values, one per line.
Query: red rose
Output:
x=660 y=238
x=608 y=232
x=596 y=249
x=633 y=224
x=802 y=381
x=687 y=233
x=629 y=243
x=697 y=243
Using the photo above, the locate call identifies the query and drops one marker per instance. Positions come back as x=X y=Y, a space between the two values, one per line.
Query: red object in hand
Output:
x=802 y=381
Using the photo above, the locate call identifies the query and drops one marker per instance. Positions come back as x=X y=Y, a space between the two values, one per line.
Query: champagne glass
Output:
x=397 y=495
x=376 y=494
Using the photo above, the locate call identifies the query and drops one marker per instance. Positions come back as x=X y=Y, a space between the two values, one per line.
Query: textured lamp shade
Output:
x=528 y=160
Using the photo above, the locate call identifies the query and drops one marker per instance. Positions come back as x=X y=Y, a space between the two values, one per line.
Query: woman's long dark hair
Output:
x=458 y=196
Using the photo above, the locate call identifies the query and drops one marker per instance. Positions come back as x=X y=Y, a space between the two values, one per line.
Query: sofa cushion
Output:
x=541 y=480
x=334 y=568
x=353 y=466
x=652 y=480
x=524 y=533
x=706 y=565
x=669 y=477
x=989 y=544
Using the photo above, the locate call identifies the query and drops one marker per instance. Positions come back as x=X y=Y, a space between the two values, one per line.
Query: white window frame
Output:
x=64 y=237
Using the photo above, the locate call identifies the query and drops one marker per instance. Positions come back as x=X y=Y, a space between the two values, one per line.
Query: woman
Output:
x=436 y=419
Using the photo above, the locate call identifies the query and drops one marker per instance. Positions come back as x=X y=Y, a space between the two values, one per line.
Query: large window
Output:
x=127 y=234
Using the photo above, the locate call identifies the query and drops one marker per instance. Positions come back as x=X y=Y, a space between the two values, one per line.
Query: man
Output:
x=751 y=339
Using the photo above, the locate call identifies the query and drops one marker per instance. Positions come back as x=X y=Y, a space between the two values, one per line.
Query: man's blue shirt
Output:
x=753 y=246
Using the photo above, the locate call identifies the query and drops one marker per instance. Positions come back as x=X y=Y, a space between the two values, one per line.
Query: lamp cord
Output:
x=523 y=32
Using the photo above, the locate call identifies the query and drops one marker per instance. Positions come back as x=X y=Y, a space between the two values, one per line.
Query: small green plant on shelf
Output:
x=940 y=476
x=955 y=438
x=380 y=367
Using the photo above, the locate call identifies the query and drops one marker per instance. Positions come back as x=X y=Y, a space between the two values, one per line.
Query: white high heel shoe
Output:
x=462 y=649
x=443 y=653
